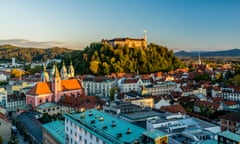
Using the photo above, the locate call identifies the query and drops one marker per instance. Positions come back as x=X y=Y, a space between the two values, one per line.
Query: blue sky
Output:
x=178 y=24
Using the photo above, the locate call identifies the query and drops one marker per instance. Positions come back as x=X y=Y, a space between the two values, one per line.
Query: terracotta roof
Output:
x=213 y=105
x=40 y=88
x=235 y=117
x=230 y=103
x=131 y=80
x=70 y=84
x=217 y=99
x=83 y=101
x=173 y=109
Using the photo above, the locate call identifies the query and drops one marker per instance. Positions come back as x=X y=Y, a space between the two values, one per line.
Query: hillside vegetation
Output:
x=31 y=54
x=101 y=59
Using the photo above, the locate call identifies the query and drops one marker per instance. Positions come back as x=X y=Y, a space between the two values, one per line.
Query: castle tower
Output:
x=145 y=38
x=64 y=74
x=56 y=85
x=71 y=71
x=44 y=75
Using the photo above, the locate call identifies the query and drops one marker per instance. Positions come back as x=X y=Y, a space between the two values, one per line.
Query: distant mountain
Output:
x=31 y=54
x=224 y=53
x=28 y=43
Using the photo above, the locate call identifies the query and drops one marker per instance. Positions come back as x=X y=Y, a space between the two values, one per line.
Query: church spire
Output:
x=71 y=71
x=56 y=75
x=44 y=75
x=199 y=59
x=64 y=74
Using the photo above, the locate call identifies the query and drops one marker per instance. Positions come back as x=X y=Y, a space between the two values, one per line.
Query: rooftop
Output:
x=230 y=135
x=31 y=124
x=107 y=127
x=56 y=129
x=154 y=134
x=210 y=141
x=143 y=116
x=46 y=105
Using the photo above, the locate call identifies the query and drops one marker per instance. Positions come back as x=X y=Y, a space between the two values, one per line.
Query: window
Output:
x=80 y=138
x=91 y=136
x=97 y=139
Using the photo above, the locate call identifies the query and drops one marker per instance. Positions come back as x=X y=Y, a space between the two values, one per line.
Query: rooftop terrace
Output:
x=230 y=135
x=56 y=129
x=105 y=126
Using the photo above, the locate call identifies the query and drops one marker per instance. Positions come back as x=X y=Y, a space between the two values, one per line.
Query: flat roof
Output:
x=210 y=141
x=56 y=129
x=100 y=124
x=46 y=105
x=154 y=134
x=230 y=135
x=143 y=116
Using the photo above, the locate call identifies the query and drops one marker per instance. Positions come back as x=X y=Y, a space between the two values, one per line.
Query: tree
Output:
x=1 y=140
x=94 y=66
x=16 y=73
x=236 y=79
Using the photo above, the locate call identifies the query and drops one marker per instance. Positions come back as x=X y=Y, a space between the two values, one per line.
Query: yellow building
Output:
x=146 y=102
x=129 y=42
x=21 y=86
x=155 y=137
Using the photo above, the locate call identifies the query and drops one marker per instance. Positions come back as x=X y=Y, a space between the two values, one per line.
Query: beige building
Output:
x=145 y=102
x=129 y=42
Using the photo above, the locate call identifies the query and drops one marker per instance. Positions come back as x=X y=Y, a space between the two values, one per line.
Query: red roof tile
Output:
x=230 y=103
x=40 y=88
x=173 y=109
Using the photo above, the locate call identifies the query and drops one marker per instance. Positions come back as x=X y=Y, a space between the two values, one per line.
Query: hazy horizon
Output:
x=178 y=24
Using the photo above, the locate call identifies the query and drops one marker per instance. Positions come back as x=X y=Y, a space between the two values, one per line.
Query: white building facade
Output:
x=98 y=86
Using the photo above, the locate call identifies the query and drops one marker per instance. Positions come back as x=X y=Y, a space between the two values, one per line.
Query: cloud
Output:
x=27 y=43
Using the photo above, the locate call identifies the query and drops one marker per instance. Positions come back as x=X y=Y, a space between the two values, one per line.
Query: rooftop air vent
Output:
x=119 y=135
x=90 y=113
x=129 y=131
x=113 y=124
x=104 y=127
x=82 y=116
x=101 y=118
x=92 y=121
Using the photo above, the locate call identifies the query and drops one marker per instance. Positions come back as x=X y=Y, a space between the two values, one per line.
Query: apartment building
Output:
x=99 y=86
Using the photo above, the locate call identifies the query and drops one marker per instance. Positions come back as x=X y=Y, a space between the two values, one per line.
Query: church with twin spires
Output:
x=54 y=86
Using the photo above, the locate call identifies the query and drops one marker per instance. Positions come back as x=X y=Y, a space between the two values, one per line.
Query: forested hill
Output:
x=101 y=59
x=31 y=54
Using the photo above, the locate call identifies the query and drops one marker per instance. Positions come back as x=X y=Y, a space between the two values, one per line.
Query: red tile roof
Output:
x=45 y=87
x=173 y=109
x=230 y=103
x=217 y=99
x=40 y=88
x=70 y=84
x=213 y=105
x=127 y=81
